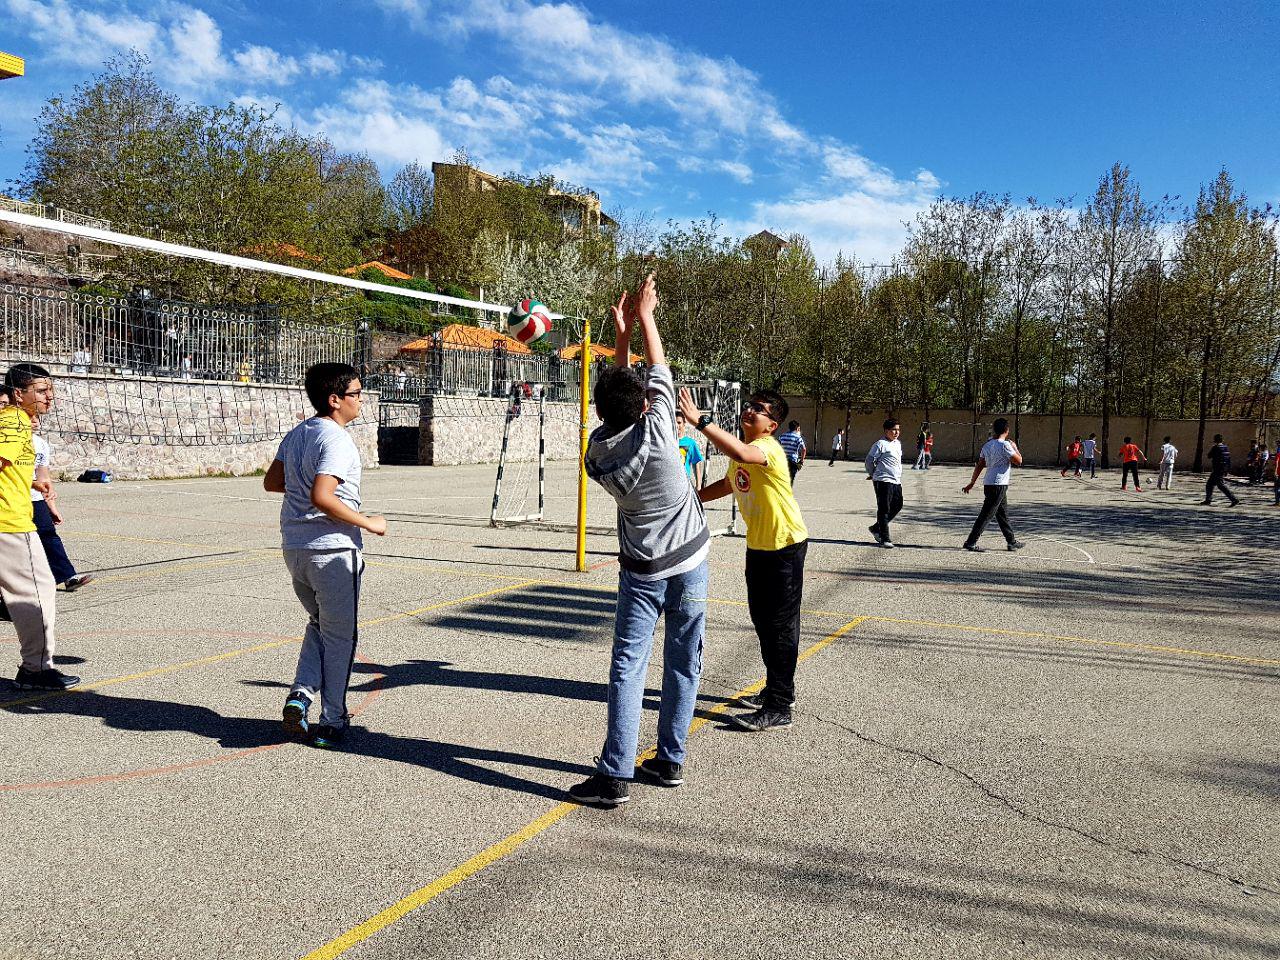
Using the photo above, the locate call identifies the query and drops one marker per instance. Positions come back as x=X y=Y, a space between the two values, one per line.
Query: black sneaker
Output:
x=762 y=719
x=295 y=716
x=601 y=789
x=887 y=544
x=78 y=581
x=664 y=771
x=328 y=737
x=875 y=532
x=755 y=701
x=50 y=679
x=974 y=548
x=1016 y=545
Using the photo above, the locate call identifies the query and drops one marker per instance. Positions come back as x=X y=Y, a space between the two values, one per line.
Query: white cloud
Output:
x=855 y=223
x=262 y=63
x=197 y=43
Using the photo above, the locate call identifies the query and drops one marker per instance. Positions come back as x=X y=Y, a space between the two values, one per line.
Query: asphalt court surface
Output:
x=1064 y=752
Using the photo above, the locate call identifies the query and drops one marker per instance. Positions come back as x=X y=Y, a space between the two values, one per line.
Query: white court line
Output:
x=1088 y=556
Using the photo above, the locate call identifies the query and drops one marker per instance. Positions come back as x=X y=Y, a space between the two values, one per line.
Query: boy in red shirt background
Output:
x=1074 y=450
x=1130 y=453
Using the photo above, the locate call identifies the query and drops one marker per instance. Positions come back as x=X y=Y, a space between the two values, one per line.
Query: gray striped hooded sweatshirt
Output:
x=661 y=523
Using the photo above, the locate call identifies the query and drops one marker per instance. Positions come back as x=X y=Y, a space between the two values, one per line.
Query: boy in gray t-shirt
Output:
x=317 y=468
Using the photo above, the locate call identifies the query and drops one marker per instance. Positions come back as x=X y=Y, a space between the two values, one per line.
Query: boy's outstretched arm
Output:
x=623 y=323
x=725 y=441
x=977 y=471
x=715 y=491
x=646 y=306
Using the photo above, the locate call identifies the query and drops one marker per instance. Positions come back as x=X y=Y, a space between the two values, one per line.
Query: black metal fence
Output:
x=141 y=335
x=469 y=372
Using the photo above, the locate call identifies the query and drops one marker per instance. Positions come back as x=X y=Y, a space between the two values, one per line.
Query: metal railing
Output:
x=139 y=335
x=46 y=212
x=445 y=370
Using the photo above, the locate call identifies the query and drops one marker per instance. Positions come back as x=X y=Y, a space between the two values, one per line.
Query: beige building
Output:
x=579 y=212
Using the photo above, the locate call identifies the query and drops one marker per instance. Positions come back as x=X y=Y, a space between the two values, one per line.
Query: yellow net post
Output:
x=585 y=386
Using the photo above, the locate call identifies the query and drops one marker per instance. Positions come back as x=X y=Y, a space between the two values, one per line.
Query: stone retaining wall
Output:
x=148 y=428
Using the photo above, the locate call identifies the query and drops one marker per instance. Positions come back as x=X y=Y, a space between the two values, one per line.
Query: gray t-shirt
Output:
x=1168 y=453
x=884 y=461
x=999 y=457
x=313 y=447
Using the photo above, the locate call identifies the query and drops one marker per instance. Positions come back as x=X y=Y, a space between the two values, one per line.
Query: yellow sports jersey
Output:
x=19 y=455
x=765 y=500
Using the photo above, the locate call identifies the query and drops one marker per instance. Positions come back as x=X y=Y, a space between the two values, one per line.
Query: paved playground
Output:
x=1067 y=752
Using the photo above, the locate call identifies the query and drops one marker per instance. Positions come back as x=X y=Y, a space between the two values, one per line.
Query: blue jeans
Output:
x=683 y=598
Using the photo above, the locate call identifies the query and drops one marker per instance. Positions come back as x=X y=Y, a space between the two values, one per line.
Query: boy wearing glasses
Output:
x=317 y=468
x=777 y=541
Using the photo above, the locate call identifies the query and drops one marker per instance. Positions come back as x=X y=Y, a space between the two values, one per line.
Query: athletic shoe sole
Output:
x=665 y=781
x=741 y=724
x=607 y=802
x=295 y=721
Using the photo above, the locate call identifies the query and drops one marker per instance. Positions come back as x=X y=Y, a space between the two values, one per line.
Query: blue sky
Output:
x=838 y=120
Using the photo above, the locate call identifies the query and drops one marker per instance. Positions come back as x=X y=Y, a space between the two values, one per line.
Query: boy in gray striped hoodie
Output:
x=663 y=546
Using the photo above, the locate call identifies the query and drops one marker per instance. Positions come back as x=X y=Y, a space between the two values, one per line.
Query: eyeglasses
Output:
x=755 y=406
x=353 y=393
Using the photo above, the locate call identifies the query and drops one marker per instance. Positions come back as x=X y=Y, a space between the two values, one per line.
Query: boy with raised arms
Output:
x=777 y=541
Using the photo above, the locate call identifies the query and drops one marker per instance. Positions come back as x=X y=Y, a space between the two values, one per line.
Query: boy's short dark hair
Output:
x=1128 y=439
x=324 y=380
x=619 y=396
x=1168 y=439
x=999 y=426
x=1217 y=438
x=1077 y=436
x=793 y=424
x=1092 y=436
x=891 y=423
x=22 y=375
x=778 y=407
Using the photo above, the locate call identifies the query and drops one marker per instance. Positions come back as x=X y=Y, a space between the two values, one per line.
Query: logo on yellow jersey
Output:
x=742 y=480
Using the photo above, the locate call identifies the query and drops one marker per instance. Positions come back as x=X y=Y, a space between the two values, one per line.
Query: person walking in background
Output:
x=1074 y=449
x=793 y=445
x=47 y=517
x=1168 y=456
x=837 y=444
x=999 y=456
x=1219 y=464
x=1251 y=461
x=1090 y=451
x=1129 y=454
x=921 y=437
x=884 y=467
x=1276 y=481
x=928 y=450
x=1260 y=464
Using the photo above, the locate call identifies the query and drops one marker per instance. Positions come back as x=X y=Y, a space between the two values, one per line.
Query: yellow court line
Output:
x=257 y=648
x=507 y=845
x=1120 y=644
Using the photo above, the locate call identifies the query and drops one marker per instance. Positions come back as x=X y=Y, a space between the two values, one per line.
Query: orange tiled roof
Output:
x=574 y=350
x=283 y=250
x=461 y=336
x=381 y=267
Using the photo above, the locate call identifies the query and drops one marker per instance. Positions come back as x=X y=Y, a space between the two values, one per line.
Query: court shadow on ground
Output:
x=1030 y=650
x=1041 y=911
x=242 y=733
x=537 y=612
x=1258 y=779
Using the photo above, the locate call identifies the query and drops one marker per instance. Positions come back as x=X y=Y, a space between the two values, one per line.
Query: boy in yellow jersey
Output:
x=26 y=583
x=776 y=544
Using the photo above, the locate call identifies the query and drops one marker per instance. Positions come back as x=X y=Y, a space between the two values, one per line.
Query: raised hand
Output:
x=623 y=318
x=688 y=407
x=647 y=300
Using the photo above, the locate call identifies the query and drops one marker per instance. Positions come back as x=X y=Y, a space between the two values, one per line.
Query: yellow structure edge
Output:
x=11 y=66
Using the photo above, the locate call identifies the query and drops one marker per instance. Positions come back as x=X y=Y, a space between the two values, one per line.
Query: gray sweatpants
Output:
x=30 y=594
x=1166 y=477
x=328 y=584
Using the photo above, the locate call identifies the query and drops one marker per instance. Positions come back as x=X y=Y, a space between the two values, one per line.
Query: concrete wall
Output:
x=457 y=430
x=958 y=439
x=156 y=428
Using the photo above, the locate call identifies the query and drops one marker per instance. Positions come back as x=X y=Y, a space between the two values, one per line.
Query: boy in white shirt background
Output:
x=1168 y=456
x=884 y=468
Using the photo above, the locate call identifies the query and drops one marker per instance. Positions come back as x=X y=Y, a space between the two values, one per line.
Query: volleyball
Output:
x=528 y=321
